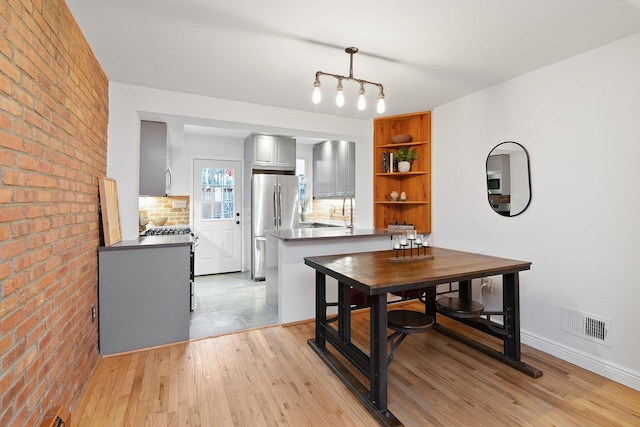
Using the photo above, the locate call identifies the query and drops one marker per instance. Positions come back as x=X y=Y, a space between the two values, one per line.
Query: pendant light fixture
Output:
x=362 y=103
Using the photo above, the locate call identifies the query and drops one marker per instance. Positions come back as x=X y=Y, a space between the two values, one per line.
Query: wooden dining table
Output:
x=379 y=273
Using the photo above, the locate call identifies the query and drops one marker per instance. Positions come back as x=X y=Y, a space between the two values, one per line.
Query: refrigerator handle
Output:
x=275 y=206
x=279 y=205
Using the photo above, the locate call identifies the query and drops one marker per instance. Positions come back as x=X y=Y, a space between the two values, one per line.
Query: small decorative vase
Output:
x=404 y=166
x=394 y=195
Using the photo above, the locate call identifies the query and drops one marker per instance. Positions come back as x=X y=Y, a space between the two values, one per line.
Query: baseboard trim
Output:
x=607 y=369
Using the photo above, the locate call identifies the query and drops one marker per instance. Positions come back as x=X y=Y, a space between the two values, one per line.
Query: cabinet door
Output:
x=318 y=183
x=263 y=150
x=345 y=173
x=340 y=151
x=153 y=158
x=143 y=307
x=324 y=180
x=334 y=169
x=350 y=172
x=285 y=156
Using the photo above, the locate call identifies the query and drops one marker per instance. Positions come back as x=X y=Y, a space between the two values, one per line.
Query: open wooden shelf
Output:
x=400 y=175
x=415 y=183
x=408 y=202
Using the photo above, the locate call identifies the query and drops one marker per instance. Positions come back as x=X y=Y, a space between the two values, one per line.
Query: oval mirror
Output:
x=508 y=179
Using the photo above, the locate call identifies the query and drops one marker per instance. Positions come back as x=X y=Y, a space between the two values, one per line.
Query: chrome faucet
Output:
x=344 y=202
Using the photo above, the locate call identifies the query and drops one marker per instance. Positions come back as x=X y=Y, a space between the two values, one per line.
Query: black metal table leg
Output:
x=378 y=353
x=321 y=309
x=344 y=312
x=511 y=307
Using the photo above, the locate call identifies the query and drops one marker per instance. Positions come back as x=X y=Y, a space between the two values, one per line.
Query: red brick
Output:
x=7 y=158
x=24 y=196
x=11 y=213
x=13 y=178
x=21 y=229
x=11 y=142
x=11 y=320
x=26 y=326
x=5 y=271
x=33 y=211
x=13 y=284
x=23 y=262
x=6 y=196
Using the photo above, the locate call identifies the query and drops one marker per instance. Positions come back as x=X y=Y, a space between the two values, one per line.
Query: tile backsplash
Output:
x=330 y=209
x=175 y=208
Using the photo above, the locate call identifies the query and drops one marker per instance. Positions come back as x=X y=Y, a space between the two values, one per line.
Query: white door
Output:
x=217 y=201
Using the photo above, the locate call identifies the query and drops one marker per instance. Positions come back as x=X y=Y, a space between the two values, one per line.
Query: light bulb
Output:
x=380 y=107
x=339 y=95
x=362 y=103
x=317 y=96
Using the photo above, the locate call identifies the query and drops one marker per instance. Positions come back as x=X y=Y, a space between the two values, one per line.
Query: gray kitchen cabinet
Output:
x=153 y=158
x=334 y=169
x=271 y=152
x=323 y=171
x=144 y=295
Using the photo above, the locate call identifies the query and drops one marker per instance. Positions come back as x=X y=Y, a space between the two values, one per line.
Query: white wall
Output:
x=128 y=104
x=205 y=147
x=579 y=121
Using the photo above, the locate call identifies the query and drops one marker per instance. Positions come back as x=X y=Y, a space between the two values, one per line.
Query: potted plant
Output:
x=405 y=156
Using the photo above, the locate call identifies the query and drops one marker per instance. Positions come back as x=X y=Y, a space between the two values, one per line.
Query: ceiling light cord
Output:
x=340 y=101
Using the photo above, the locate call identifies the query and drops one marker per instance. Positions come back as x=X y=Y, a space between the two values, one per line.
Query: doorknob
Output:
x=237 y=222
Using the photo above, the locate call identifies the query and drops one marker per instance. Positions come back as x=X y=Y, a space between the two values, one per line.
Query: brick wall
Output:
x=53 y=133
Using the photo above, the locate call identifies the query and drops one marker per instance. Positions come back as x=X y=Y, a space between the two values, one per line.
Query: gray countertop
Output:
x=151 y=241
x=327 y=233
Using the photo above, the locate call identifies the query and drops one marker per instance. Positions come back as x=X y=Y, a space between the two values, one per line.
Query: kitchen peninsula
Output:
x=290 y=284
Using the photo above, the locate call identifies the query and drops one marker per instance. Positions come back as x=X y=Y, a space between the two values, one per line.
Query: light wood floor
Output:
x=271 y=377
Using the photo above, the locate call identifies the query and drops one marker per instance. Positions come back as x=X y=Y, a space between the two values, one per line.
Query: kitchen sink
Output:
x=315 y=225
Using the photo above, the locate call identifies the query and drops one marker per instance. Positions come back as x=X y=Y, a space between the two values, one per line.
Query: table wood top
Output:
x=373 y=273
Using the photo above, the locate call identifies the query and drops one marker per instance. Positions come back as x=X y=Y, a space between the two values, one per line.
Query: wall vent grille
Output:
x=588 y=326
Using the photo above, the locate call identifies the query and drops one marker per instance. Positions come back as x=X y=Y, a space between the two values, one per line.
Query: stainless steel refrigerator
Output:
x=274 y=205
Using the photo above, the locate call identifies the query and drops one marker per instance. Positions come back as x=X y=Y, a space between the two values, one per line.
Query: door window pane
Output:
x=301 y=172
x=217 y=194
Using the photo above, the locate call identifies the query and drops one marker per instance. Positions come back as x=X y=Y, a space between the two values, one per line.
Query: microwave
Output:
x=494 y=183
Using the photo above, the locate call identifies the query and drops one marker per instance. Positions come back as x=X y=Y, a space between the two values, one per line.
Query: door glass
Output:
x=217 y=194
x=301 y=172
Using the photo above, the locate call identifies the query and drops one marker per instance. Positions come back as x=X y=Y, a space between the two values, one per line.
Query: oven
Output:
x=173 y=230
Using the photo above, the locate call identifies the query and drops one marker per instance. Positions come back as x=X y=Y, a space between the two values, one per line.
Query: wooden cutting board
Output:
x=110 y=213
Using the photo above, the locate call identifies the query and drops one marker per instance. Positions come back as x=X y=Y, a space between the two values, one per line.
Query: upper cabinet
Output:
x=270 y=152
x=154 y=172
x=334 y=174
x=415 y=209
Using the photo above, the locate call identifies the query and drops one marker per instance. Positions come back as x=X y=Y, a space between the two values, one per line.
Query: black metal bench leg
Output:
x=394 y=344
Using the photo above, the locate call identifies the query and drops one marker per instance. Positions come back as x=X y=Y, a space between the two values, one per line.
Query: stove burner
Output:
x=159 y=231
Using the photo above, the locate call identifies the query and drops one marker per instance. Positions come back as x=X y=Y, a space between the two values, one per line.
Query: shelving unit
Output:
x=415 y=183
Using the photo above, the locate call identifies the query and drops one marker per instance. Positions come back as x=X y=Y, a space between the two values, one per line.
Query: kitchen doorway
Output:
x=217 y=206
x=229 y=302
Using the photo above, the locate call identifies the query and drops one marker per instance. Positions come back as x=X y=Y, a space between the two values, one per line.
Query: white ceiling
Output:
x=425 y=52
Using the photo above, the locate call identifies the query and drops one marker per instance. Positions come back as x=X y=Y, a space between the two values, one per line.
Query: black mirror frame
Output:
x=528 y=177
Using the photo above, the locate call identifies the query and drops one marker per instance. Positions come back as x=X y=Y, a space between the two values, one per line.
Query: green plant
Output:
x=404 y=154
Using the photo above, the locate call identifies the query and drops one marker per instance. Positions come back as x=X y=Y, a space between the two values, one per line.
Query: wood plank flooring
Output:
x=271 y=377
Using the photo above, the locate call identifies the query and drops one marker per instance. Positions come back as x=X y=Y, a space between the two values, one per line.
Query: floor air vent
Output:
x=587 y=326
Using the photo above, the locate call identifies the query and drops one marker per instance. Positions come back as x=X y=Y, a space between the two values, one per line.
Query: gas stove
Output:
x=164 y=231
